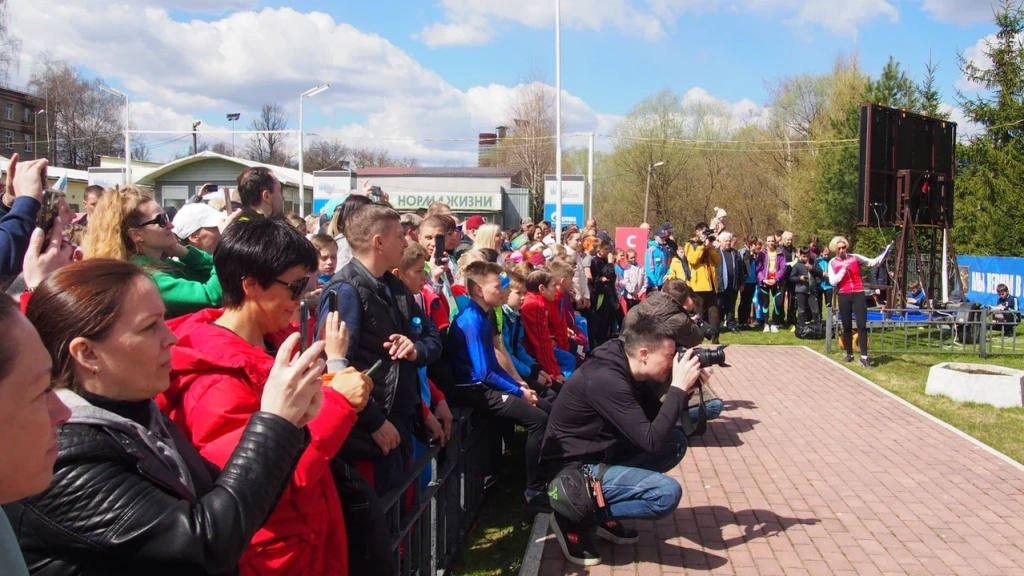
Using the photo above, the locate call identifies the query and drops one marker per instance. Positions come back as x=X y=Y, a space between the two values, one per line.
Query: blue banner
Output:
x=571 y=214
x=982 y=274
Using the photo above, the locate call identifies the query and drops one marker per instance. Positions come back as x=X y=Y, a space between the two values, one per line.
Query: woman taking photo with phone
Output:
x=130 y=495
x=221 y=363
x=128 y=225
x=844 y=274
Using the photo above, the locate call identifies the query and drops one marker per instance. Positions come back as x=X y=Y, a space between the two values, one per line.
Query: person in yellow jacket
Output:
x=702 y=258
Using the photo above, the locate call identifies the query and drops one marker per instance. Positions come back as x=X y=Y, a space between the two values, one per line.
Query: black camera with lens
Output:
x=706 y=330
x=708 y=356
x=709 y=235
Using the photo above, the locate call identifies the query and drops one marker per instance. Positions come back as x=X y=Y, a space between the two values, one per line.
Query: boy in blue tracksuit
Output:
x=657 y=262
x=481 y=382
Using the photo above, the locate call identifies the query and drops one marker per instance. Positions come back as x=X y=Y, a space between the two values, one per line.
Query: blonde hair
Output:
x=835 y=241
x=558 y=250
x=468 y=258
x=116 y=212
x=486 y=235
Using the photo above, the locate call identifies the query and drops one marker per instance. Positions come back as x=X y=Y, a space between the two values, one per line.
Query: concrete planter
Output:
x=983 y=383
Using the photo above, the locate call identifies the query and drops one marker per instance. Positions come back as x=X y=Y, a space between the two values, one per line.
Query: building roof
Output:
x=287 y=176
x=52 y=172
x=436 y=172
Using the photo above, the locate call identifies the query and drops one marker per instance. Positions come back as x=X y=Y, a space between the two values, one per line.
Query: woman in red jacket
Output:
x=220 y=365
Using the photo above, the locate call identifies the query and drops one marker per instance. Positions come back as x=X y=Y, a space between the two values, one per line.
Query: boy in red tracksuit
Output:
x=537 y=322
x=575 y=339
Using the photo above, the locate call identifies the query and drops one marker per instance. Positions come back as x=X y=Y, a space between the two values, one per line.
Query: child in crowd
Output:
x=513 y=333
x=634 y=281
x=327 y=250
x=803 y=280
x=576 y=340
x=915 y=295
x=483 y=383
x=541 y=289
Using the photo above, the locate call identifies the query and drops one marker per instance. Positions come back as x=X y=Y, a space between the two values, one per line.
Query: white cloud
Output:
x=965 y=128
x=473 y=22
x=960 y=11
x=175 y=71
x=976 y=56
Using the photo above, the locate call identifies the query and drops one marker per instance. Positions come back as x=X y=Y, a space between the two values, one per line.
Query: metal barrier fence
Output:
x=427 y=532
x=984 y=332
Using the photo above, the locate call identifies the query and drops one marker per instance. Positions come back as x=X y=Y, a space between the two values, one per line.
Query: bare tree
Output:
x=140 y=150
x=84 y=122
x=268 y=147
x=10 y=45
x=324 y=154
x=529 y=146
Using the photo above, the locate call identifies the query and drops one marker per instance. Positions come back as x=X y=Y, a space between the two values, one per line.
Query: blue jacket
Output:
x=512 y=333
x=657 y=263
x=472 y=352
x=15 y=230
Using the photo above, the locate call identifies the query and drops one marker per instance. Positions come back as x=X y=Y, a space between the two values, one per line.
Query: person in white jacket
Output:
x=634 y=280
x=574 y=246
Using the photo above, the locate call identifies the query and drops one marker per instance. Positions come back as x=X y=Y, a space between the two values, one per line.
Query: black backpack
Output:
x=811 y=331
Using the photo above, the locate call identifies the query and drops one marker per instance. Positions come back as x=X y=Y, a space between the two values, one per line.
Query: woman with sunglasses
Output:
x=129 y=493
x=220 y=365
x=128 y=225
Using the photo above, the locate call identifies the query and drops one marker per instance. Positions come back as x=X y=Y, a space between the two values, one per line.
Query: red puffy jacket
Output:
x=217 y=380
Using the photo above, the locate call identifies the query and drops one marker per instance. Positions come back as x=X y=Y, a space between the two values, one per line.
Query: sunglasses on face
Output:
x=296 y=288
x=161 y=220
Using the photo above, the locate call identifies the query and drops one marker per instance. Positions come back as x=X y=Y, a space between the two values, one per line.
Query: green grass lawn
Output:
x=497 y=543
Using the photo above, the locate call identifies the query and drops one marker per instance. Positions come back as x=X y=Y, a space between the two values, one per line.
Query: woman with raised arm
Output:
x=130 y=495
x=844 y=274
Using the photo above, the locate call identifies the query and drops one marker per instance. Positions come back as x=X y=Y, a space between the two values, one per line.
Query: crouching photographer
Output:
x=610 y=439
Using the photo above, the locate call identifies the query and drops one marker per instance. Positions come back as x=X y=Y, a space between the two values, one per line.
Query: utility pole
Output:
x=558 y=119
x=590 y=178
x=195 y=137
x=233 y=117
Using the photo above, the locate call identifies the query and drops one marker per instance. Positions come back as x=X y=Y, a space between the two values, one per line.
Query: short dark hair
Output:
x=93 y=190
x=647 y=330
x=415 y=256
x=680 y=291
x=366 y=222
x=344 y=211
x=701 y=226
x=421 y=212
x=490 y=254
x=262 y=249
x=1002 y=288
x=536 y=279
x=803 y=251
x=251 y=184
x=475 y=273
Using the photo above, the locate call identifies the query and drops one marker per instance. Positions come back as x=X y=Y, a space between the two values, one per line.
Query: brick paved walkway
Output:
x=811 y=471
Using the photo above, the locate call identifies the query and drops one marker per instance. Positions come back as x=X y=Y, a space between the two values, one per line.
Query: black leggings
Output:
x=513 y=408
x=849 y=304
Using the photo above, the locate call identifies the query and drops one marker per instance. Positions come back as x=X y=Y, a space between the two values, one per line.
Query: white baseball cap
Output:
x=192 y=217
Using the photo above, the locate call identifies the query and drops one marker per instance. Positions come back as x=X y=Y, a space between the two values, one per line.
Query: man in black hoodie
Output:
x=608 y=419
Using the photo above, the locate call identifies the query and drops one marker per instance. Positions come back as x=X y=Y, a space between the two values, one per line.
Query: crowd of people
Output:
x=162 y=412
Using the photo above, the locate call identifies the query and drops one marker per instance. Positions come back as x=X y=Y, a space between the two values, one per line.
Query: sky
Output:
x=423 y=78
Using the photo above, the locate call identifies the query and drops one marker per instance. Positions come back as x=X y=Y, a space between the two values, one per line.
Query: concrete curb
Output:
x=867 y=382
x=535 y=547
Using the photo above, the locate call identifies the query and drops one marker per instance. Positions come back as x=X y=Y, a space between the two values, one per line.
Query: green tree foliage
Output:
x=990 y=182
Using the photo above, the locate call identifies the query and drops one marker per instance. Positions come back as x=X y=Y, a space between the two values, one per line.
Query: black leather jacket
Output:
x=114 y=507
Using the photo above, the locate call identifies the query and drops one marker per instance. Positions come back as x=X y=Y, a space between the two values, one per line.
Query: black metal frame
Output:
x=427 y=533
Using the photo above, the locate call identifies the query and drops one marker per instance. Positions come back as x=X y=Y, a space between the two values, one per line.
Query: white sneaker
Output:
x=775 y=329
x=767 y=328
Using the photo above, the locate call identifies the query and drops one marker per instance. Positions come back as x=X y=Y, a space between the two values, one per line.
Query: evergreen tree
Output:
x=894 y=88
x=928 y=92
x=989 y=189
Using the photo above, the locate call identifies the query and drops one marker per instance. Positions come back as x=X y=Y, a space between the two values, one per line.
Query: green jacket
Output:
x=188 y=285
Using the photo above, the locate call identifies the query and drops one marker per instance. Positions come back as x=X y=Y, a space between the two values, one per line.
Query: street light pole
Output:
x=233 y=117
x=35 y=135
x=302 y=173
x=127 y=133
x=558 y=119
x=647 y=194
x=590 y=177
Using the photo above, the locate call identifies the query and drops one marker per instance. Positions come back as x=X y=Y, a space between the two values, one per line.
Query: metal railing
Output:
x=427 y=532
x=982 y=332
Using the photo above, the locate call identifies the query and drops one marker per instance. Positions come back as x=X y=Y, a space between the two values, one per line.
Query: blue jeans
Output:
x=636 y=489
x=566 y=361
x=713 y=407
